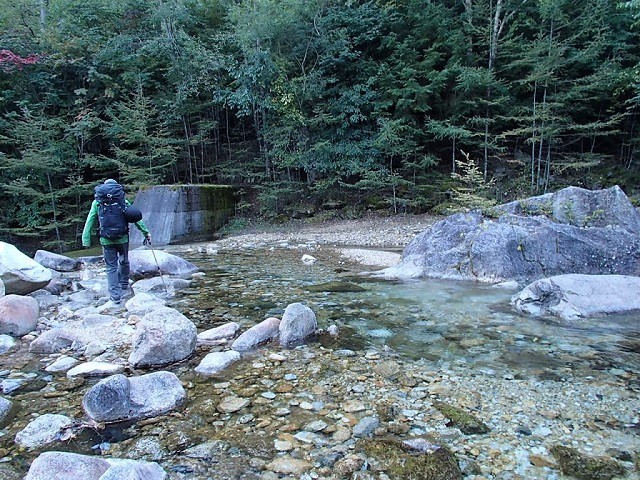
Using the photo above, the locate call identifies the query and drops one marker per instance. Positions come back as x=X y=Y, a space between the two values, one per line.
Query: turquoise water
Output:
x=445 y=322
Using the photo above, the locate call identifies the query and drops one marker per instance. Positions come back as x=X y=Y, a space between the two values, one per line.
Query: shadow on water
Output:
x=445 y=322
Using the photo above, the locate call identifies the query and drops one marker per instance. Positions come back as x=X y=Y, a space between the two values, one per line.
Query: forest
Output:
x=401 y=106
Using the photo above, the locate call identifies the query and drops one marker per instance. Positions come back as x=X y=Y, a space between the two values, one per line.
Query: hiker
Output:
x=108 y=210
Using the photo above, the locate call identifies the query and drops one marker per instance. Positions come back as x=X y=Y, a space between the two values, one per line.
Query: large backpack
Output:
x=111 y=208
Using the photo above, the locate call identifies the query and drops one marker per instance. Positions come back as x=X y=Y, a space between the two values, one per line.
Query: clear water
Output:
x=445 y=322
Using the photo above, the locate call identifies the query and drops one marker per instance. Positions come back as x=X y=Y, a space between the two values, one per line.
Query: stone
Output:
x=232 y=404
x=55 y=261
x=7 y=342
x=143 y=303
x=44 y=430
x=574 y=296
x=95 y=369
x=77 y=335
x=308 y=259
x=124 y=469
x=162 y=337
x=298 y=322
x=576 y=464
x=289 y=466
x=70 y=466
x=146 y=263
x=161 y=286
x=45 y=298
x=570 y=231
x=365 y=427
x=391 y=457
x=215 y=362
x=119 y=398
x=18 y=314
x=214 y=335
x=62 y=364
x=109 y=400
x=74 y=466
x=6 y=411
x=20 y=274
x=262 y=332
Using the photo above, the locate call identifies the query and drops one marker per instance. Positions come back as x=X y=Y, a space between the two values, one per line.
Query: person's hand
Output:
x=147 y=239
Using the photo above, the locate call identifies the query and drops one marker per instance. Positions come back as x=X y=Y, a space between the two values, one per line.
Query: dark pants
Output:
x=116 y=257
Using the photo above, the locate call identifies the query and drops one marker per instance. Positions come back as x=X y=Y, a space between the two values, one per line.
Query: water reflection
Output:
x=444 y=322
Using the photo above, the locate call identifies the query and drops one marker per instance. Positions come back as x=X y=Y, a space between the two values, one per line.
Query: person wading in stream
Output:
x=112 y=212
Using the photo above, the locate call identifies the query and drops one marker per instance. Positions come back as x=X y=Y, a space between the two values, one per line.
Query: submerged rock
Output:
x=402 y=463
x=583 y=467
x=574 y=296
x=467 y=423
x=335 y=286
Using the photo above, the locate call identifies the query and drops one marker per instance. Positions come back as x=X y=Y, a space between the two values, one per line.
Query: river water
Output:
x=401 y=345
x=445 y=322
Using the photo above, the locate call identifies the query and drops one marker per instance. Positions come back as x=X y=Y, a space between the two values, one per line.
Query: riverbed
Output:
x=402 y=349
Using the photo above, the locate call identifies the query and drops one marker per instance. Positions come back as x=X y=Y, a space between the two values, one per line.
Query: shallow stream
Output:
x=401 y=345
x=444 y=322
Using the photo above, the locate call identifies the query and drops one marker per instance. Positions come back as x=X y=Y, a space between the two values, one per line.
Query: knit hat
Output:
x=109 y=180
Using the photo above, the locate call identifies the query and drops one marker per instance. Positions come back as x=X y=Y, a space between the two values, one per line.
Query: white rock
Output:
x=215 y=362
x=43 y=430
x=95 y=369
x=62 y=364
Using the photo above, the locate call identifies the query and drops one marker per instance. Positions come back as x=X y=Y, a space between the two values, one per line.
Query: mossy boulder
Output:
x=401 y=462
x=467 y=423
x=583 y=467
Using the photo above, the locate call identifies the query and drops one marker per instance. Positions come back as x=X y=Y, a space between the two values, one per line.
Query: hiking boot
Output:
x=111 y=306
x=127 y=293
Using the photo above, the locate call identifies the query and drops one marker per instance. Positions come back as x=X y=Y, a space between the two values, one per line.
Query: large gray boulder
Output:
x=571 y=231
x=163 y=336
x=298 y=322
x=576 y=296
x=18 y=314
x=74 y=466
x=149 y=263
x=57 y=262
x=118 y=398
x=19 y=273
x=262 y=332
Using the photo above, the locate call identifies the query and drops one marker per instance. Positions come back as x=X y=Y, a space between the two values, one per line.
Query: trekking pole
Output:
x=148 y=242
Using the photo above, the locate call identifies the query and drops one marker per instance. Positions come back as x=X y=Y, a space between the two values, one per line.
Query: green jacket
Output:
x=92 y=222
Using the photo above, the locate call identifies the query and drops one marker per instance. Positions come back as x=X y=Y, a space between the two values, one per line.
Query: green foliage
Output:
x=470 y=192
x=366 y=103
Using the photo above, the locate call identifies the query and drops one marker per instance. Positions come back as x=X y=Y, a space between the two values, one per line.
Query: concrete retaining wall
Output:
x=179 y=213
